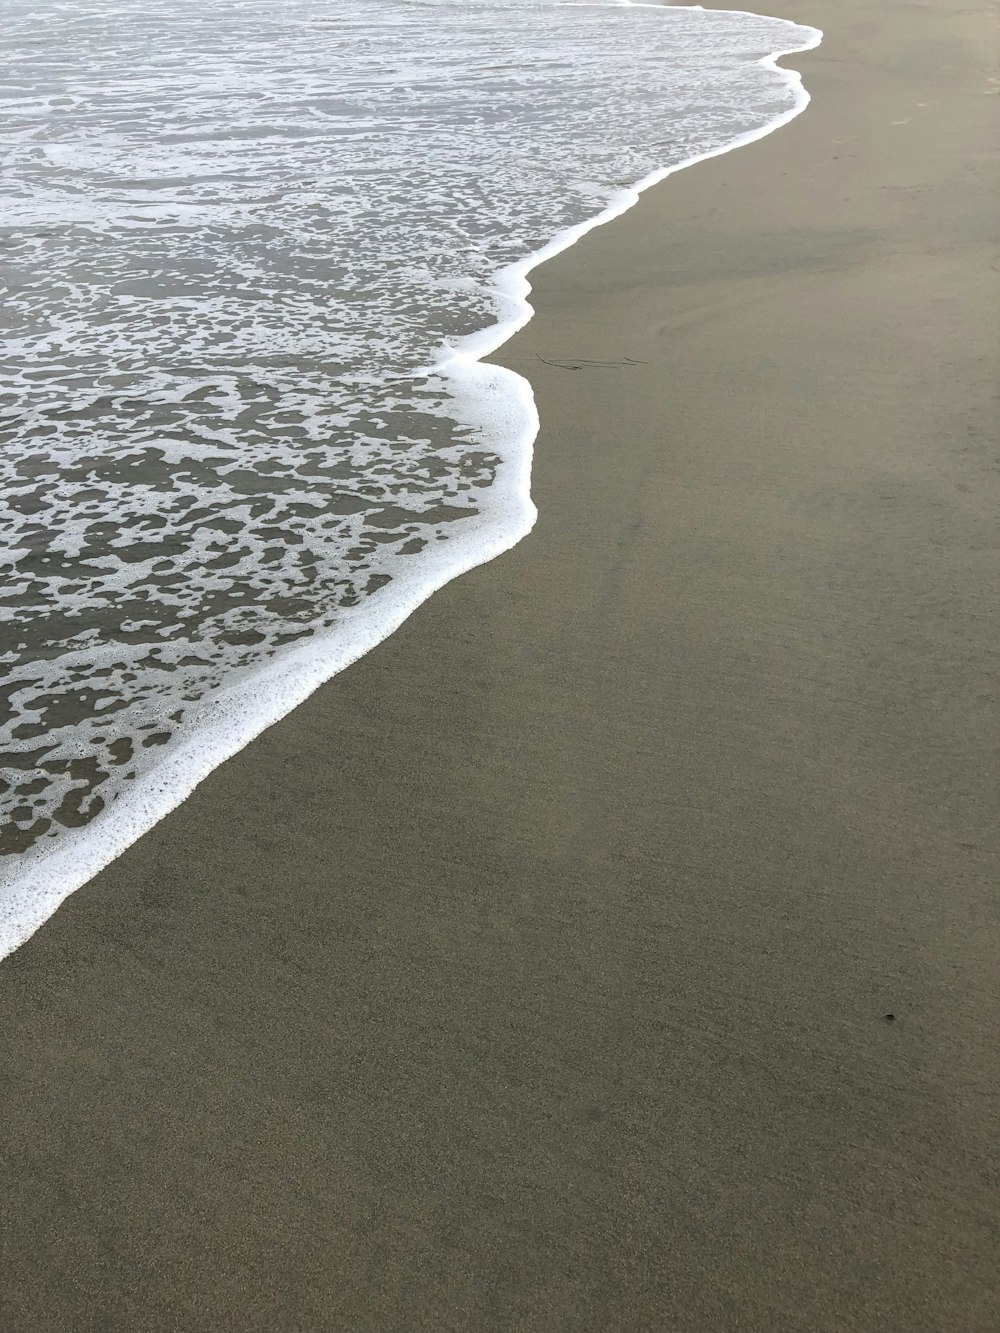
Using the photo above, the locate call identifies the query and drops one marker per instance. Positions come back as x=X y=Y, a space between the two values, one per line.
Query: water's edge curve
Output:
x=45 y=878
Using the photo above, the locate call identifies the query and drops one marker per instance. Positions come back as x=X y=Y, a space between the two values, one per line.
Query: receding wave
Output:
x=248 y=247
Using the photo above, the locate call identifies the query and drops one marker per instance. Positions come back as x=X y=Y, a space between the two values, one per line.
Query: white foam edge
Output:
x=46 y=876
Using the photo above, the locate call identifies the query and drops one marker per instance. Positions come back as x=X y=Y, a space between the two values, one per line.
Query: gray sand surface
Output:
x=534 y=975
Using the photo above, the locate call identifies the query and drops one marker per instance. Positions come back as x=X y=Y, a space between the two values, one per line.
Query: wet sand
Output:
x=535 y=975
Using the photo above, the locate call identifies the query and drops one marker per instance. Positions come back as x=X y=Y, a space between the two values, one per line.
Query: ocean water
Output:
x=252 y=254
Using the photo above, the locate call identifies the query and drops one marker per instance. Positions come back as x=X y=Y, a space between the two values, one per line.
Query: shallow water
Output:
x=236 y=236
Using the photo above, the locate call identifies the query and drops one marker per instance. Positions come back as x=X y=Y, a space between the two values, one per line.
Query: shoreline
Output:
x=534 y=974
x=34 y=888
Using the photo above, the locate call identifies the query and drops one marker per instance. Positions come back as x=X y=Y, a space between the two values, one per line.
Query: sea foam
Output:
x=256 y=254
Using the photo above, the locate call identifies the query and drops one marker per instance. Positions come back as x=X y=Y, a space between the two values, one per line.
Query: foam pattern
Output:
x=239 y=239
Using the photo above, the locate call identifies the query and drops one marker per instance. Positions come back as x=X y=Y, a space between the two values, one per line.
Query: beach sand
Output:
x=536 y=974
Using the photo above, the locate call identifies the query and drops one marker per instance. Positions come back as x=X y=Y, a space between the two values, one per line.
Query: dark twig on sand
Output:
x=581 y=363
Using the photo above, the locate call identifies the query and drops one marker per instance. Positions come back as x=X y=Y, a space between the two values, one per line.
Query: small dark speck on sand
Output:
x=890 y=1018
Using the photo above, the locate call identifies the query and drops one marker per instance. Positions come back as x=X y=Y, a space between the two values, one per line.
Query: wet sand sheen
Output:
x=534 y=973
